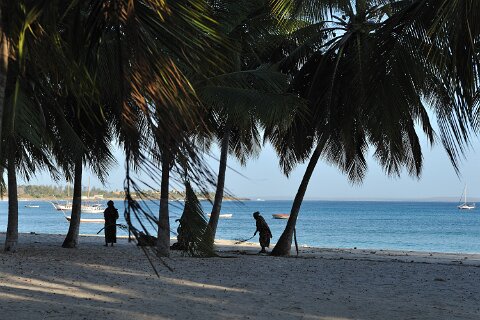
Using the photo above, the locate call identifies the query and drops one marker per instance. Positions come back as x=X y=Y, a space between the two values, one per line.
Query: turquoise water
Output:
x=421 y=226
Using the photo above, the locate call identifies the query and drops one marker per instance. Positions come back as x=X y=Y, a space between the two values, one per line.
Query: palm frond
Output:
x=193 y=233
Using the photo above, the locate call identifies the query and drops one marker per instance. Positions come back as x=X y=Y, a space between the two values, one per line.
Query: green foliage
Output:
x=63 y=192
x=194 y=235
x=370 y=71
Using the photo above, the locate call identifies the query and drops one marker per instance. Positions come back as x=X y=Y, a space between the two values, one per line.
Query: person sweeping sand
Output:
x=264 y=230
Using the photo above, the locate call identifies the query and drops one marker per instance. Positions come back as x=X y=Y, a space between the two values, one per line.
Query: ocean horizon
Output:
x=390 y=225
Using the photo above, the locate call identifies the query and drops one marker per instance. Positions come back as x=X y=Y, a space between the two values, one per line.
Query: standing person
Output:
x=111 y=215
x=264 y=230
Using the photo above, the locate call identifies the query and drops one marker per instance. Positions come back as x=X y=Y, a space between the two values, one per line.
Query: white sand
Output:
x=44 y=281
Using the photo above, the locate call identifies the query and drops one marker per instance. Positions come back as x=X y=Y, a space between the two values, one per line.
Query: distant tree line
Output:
x=62 y=192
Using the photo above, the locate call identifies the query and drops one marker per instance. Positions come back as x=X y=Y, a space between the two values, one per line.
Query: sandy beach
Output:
x=44 y=281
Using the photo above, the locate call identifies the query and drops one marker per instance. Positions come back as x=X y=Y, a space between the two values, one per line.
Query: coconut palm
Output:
x=67 y=96
x=367 y=74
x=236 y=101
x=143 y=43
x=240 y=104
x=130 y=49
x=247 y=94
x=25 y=145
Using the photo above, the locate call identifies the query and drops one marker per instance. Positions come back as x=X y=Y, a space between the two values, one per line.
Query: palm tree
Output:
x=130 y=80
x=241 y=104
x=69 y=98
x=365 y=73
x=11 y=238
x=26 y=146
x=26 y=158
x=248 y=95
x=23 y=129
x=148 y=91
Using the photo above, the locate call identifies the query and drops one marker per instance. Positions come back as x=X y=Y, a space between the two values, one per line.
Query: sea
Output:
x=417 y=226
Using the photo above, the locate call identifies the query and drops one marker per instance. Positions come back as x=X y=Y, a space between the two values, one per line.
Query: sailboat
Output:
x=87 y=207
x=465 y=205
x=223 y=215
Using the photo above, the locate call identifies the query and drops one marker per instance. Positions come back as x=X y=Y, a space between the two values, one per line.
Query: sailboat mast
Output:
x=88 y=193
x=465 y=194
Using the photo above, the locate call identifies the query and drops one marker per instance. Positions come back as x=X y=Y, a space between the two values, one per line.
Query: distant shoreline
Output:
x=440 y=199
x=113 y=199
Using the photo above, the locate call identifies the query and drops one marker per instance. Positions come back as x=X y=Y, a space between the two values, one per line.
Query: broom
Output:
x=245 y=240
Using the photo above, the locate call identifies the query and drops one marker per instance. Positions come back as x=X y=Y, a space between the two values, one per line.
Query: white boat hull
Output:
x=85 y=208
x=87 y=220
x=92 y=209
x=465 y=205
x=223 y=215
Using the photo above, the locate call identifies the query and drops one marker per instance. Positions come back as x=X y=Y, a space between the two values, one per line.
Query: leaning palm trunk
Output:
x=12 y=227
x=71 y=240
x=217 y=203
x=163 y=235
x=284 y=244
x=4 y=53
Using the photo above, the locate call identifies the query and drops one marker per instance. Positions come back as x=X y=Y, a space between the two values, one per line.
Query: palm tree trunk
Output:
x=284 y=244
x=71 y=240
x=217 y=203
x=4 y=53
x=163 y=235
x=12 y=225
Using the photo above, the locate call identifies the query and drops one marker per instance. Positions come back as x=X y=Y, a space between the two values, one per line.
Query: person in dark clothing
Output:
x=111 y=215
x=264 y=230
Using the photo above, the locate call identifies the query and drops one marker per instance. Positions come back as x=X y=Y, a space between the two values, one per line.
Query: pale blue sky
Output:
x=438 y=179
x=262 y=178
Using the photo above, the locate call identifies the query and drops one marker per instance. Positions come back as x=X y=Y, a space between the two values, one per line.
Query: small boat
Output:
x=85 y=220
x=32 y=206
x=465 y=205
x=61 y=207
x=223 y=215
x=280 y=216
x=88 y=208
x=93 y=208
